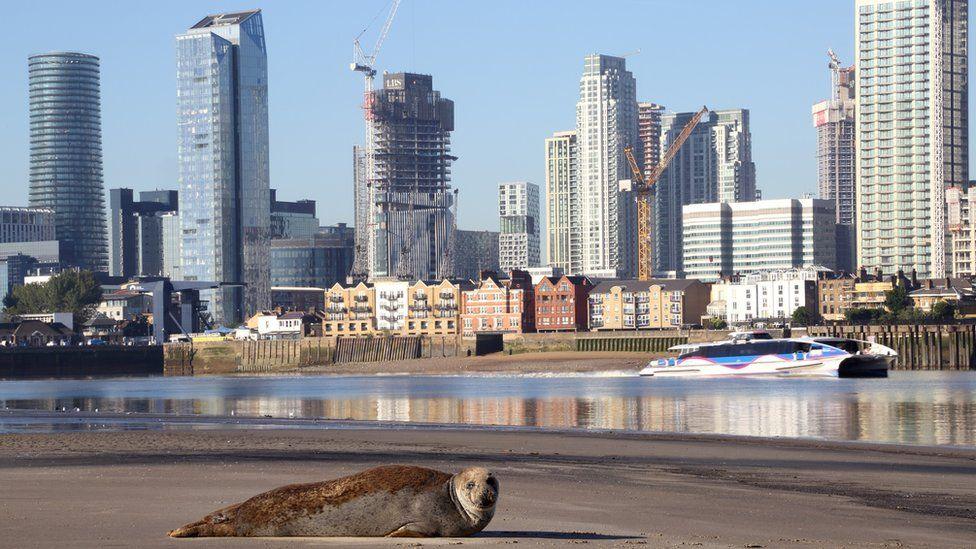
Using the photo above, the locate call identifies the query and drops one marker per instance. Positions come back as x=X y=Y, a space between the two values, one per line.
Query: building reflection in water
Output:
x=917 y=408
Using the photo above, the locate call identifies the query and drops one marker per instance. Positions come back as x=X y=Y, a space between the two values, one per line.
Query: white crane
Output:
x=366 y=64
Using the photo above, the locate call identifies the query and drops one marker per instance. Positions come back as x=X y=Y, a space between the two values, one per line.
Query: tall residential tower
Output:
x=222 y=115
x=911 y=130
x=714 y=165
x=562 y=203
x=606 y=124
x=518 y=214
x=411 y=223
x=834 y=121
x=66 y=153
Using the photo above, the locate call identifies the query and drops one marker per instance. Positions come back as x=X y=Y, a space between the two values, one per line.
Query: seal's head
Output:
x=475 y=490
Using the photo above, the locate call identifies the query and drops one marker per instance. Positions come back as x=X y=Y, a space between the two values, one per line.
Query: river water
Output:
x=926 y=408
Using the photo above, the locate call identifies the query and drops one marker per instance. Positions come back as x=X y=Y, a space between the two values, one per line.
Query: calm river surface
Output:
x=926 y=408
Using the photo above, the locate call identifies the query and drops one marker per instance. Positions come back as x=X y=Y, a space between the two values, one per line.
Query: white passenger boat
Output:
x=752 y=355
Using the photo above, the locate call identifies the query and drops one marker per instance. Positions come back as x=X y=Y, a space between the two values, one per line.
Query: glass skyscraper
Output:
x=66 y=153
x=222 y=113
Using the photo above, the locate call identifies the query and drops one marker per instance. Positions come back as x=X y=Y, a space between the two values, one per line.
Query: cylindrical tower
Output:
x=66 y=153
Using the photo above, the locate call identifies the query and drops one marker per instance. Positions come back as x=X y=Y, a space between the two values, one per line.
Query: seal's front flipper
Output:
x=410 y=530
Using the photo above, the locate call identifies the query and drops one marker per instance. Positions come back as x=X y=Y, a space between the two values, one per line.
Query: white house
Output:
x=285 y=326
x=770 y=296
x=391 y=303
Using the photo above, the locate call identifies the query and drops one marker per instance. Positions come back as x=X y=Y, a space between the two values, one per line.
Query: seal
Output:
x=392 y=500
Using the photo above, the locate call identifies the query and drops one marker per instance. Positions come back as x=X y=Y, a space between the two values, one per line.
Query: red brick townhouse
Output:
x=561 y=303
x=499 y=305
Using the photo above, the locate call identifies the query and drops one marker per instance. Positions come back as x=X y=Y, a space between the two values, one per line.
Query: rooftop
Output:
x=224 y=19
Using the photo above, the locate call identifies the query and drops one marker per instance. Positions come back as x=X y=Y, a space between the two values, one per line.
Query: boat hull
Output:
x=763 y=366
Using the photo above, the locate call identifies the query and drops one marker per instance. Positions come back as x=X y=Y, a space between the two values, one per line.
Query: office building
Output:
x=66 y=153
x=172 y=245
x=317 y=261
x=222 y=116
x=136 y=231
x=479 y=253
x=518 y=216
x=722 y=239
x=292 y=219
x=834 y=123
x=606 y=124
x=562 y=203
x=714 y=165
x=19 y=224
x=911 y=129
x=412 y=219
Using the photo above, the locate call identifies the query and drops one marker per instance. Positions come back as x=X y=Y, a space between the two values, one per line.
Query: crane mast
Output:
x=644 y=187
x=366 y=64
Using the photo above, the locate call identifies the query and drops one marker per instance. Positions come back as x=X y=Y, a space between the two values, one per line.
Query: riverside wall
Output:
x=920 y=347
x=81 y=362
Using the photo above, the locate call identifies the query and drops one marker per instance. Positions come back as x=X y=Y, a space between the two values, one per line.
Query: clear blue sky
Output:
x=511 y=66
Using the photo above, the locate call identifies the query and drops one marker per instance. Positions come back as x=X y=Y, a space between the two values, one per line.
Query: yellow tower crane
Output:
x=644 y=187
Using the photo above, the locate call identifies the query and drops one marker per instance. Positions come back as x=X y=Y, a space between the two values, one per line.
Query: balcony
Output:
x=447 y=295
x=361 y=309
x=420 y=297
x=335 y=310
x=420 y=307
x=392 y=307
x=336 y=298
x=361 y=298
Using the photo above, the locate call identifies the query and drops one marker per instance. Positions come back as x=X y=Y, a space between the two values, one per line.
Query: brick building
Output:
x=499 y=305
x=561 y=303
x=647 y=304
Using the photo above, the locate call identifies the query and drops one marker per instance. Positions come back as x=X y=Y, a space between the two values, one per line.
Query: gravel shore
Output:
x=99 y=489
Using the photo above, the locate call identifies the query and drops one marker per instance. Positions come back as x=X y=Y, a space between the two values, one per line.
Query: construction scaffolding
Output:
x=413 y=208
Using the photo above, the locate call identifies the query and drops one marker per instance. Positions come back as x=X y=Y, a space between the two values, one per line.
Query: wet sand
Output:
x=567 y=362
x=98 y=489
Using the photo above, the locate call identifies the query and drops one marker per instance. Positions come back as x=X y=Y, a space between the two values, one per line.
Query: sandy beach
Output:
x=101 y=489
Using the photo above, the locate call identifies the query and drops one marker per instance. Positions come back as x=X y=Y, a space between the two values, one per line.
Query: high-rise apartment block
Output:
x=411 y=223
x=562 y=203
x=136 y=232
x=714 y=165
x=723 y=238
x=222 y=116
x=518 y=216
x=961 y=227
x=66 y=153
x=834 y=122
x=649 y=130
x=26 y=224
x=606 y=124
x=911 y=129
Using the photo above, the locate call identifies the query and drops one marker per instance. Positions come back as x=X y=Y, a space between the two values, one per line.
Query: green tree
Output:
x=802 y=316
x=74 y=292
x=715 y=324
x=863 y=316
x=943 y=311
x=897 y=299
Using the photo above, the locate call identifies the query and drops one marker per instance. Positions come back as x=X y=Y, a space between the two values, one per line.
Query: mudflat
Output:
x=553 y=362
x=128 y=488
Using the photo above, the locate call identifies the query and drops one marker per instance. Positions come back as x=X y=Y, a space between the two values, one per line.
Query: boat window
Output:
x=754 y=348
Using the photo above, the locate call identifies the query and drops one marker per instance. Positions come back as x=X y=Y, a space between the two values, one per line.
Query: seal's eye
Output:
x=470 y=485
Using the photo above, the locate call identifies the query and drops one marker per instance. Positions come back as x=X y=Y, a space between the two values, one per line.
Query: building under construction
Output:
x=410 y=224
